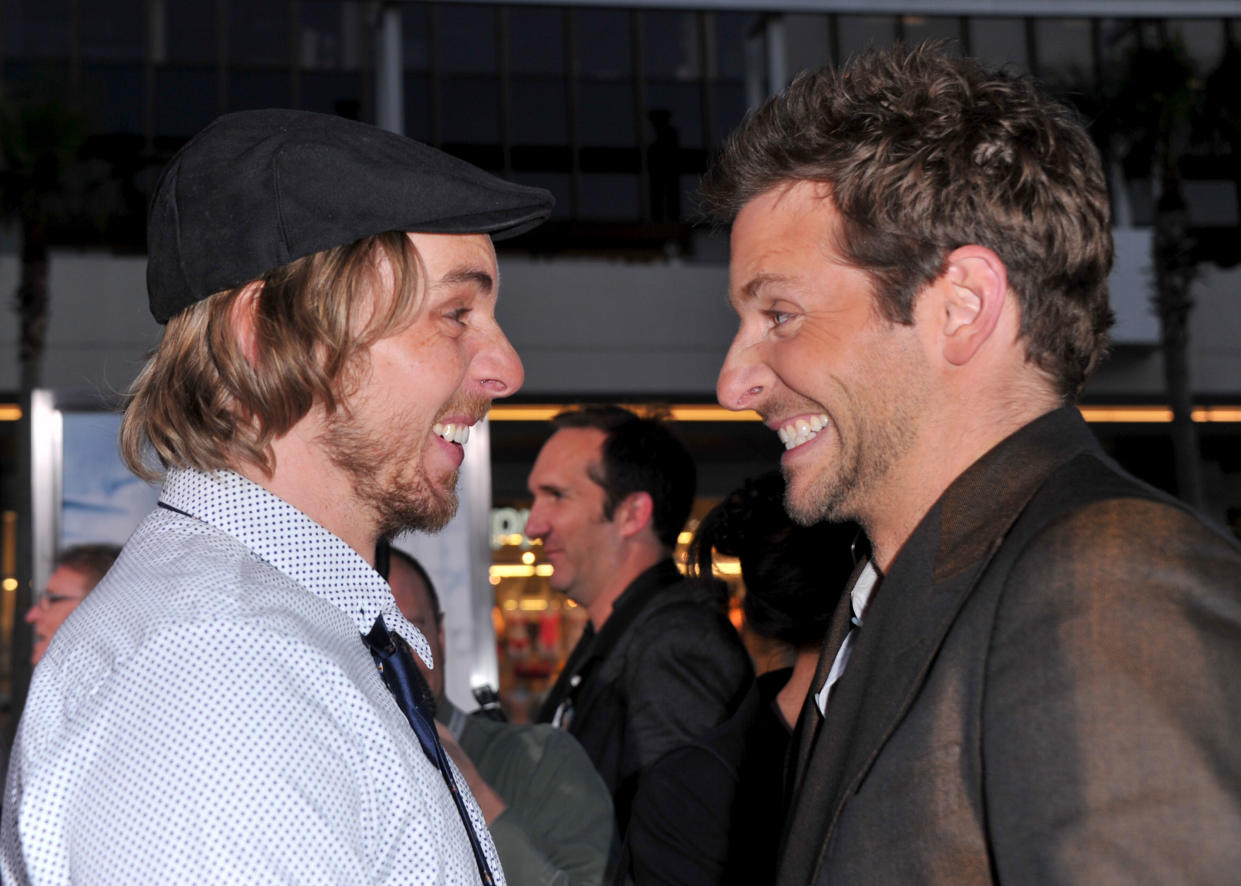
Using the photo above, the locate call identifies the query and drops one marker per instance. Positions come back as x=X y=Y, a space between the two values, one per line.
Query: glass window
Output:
x=732 y=29
x=609 y=196
x=43 y=77
x=37 y=28
x=113 y=31
x=191 y=31
x=330 y=34
x=539 y=112
x=185 y=100
x=602 y=42
x=258 y=39
x=418 y=107
x=807 y=41
x=1065 y=53
x=729 y=109
x=605 y=114
x=670 y=44
x=1119 y=37
x=932 y=27
x=1000 y=42
x=858 y=32
x=331 y=92
x=536 y=40
x=470 y=110
x=690 y=195
x=679 y=110
x=113 y=95
x=258 y=89
x=416 y=36
x=466 y=39
x=1203 y=39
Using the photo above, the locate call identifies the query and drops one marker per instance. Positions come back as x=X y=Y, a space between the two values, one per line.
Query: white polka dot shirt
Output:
x=209 y=714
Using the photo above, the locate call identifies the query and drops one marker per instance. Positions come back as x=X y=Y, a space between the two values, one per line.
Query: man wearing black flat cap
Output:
x=235 y=702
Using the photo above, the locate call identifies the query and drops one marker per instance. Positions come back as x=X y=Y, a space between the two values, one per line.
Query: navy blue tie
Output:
x=401 y=675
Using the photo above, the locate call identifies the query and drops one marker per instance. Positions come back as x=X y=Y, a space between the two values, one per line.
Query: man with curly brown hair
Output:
x=1032 y=679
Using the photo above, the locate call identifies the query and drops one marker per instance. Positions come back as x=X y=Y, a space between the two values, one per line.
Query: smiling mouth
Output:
x=795 y=433
x=453 y=433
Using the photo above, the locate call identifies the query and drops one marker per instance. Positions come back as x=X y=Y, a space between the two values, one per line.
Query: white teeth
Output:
x=796 y=433
x=453 y=433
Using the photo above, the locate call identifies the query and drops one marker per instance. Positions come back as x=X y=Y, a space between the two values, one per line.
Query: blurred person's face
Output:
x=65 y=590
x=567 y=514
x=412 y=598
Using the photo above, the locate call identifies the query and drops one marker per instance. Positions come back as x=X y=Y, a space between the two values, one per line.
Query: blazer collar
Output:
x=909 y=616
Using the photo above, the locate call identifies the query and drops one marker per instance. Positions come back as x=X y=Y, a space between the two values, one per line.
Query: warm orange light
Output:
x=679 y=412
x=1152 y=414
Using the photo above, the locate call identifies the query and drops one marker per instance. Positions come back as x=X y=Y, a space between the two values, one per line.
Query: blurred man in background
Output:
x=77 y=570
x=548 y=811
x=659 y=666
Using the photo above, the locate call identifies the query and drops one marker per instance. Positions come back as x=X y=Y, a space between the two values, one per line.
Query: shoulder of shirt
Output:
x=182 y=584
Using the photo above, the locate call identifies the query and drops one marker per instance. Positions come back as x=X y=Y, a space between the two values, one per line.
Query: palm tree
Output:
x=1221 y=116
x=1152 y=118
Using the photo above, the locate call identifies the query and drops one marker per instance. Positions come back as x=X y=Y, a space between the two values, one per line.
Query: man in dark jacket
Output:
x=1039 y=684
x=659 y=668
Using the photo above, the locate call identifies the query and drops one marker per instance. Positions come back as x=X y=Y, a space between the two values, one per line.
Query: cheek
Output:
x=812 y=352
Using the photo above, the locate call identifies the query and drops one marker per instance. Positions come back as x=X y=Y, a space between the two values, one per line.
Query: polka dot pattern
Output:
x=210 y=714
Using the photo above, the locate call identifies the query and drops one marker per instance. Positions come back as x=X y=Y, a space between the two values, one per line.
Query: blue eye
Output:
x=778 y=318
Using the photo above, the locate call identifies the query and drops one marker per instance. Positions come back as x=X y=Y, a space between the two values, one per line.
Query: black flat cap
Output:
x=257 y=189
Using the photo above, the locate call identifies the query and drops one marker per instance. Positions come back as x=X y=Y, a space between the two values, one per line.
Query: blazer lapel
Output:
x=809 y=719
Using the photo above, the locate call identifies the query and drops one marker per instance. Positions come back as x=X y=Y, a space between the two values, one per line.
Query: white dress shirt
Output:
x=859 y=599
x=209 y=714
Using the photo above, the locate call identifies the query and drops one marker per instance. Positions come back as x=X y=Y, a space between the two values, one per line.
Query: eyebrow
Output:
x=754 y=286
x=479 y=278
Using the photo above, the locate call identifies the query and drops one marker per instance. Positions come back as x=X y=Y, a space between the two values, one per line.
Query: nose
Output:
x=744 y=377
x=32 y=614
x=536 y=523
x=498 y=367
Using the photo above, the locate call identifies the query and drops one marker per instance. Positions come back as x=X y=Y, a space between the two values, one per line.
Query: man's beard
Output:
x=389 y=477
x=852 y=483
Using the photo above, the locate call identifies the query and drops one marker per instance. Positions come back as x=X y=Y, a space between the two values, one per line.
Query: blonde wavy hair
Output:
x=202 y=401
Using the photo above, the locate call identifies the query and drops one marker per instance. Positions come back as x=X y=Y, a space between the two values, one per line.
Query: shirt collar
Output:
x=863 y=588
x=293 y=543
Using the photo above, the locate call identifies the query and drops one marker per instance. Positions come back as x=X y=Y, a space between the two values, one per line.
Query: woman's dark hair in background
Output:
x=793 y=574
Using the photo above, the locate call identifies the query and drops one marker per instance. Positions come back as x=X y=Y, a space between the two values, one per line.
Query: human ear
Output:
x=241 y=316
x=633 y=514
x=973 y=287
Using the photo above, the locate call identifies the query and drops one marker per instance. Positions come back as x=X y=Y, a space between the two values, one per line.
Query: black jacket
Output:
x=666 y=669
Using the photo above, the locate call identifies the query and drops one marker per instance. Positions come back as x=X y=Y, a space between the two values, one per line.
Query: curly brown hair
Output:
x=924 y=152
x=201 y=402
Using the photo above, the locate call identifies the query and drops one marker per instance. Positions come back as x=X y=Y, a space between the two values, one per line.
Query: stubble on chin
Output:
x=389 y=479
x=828 y=498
